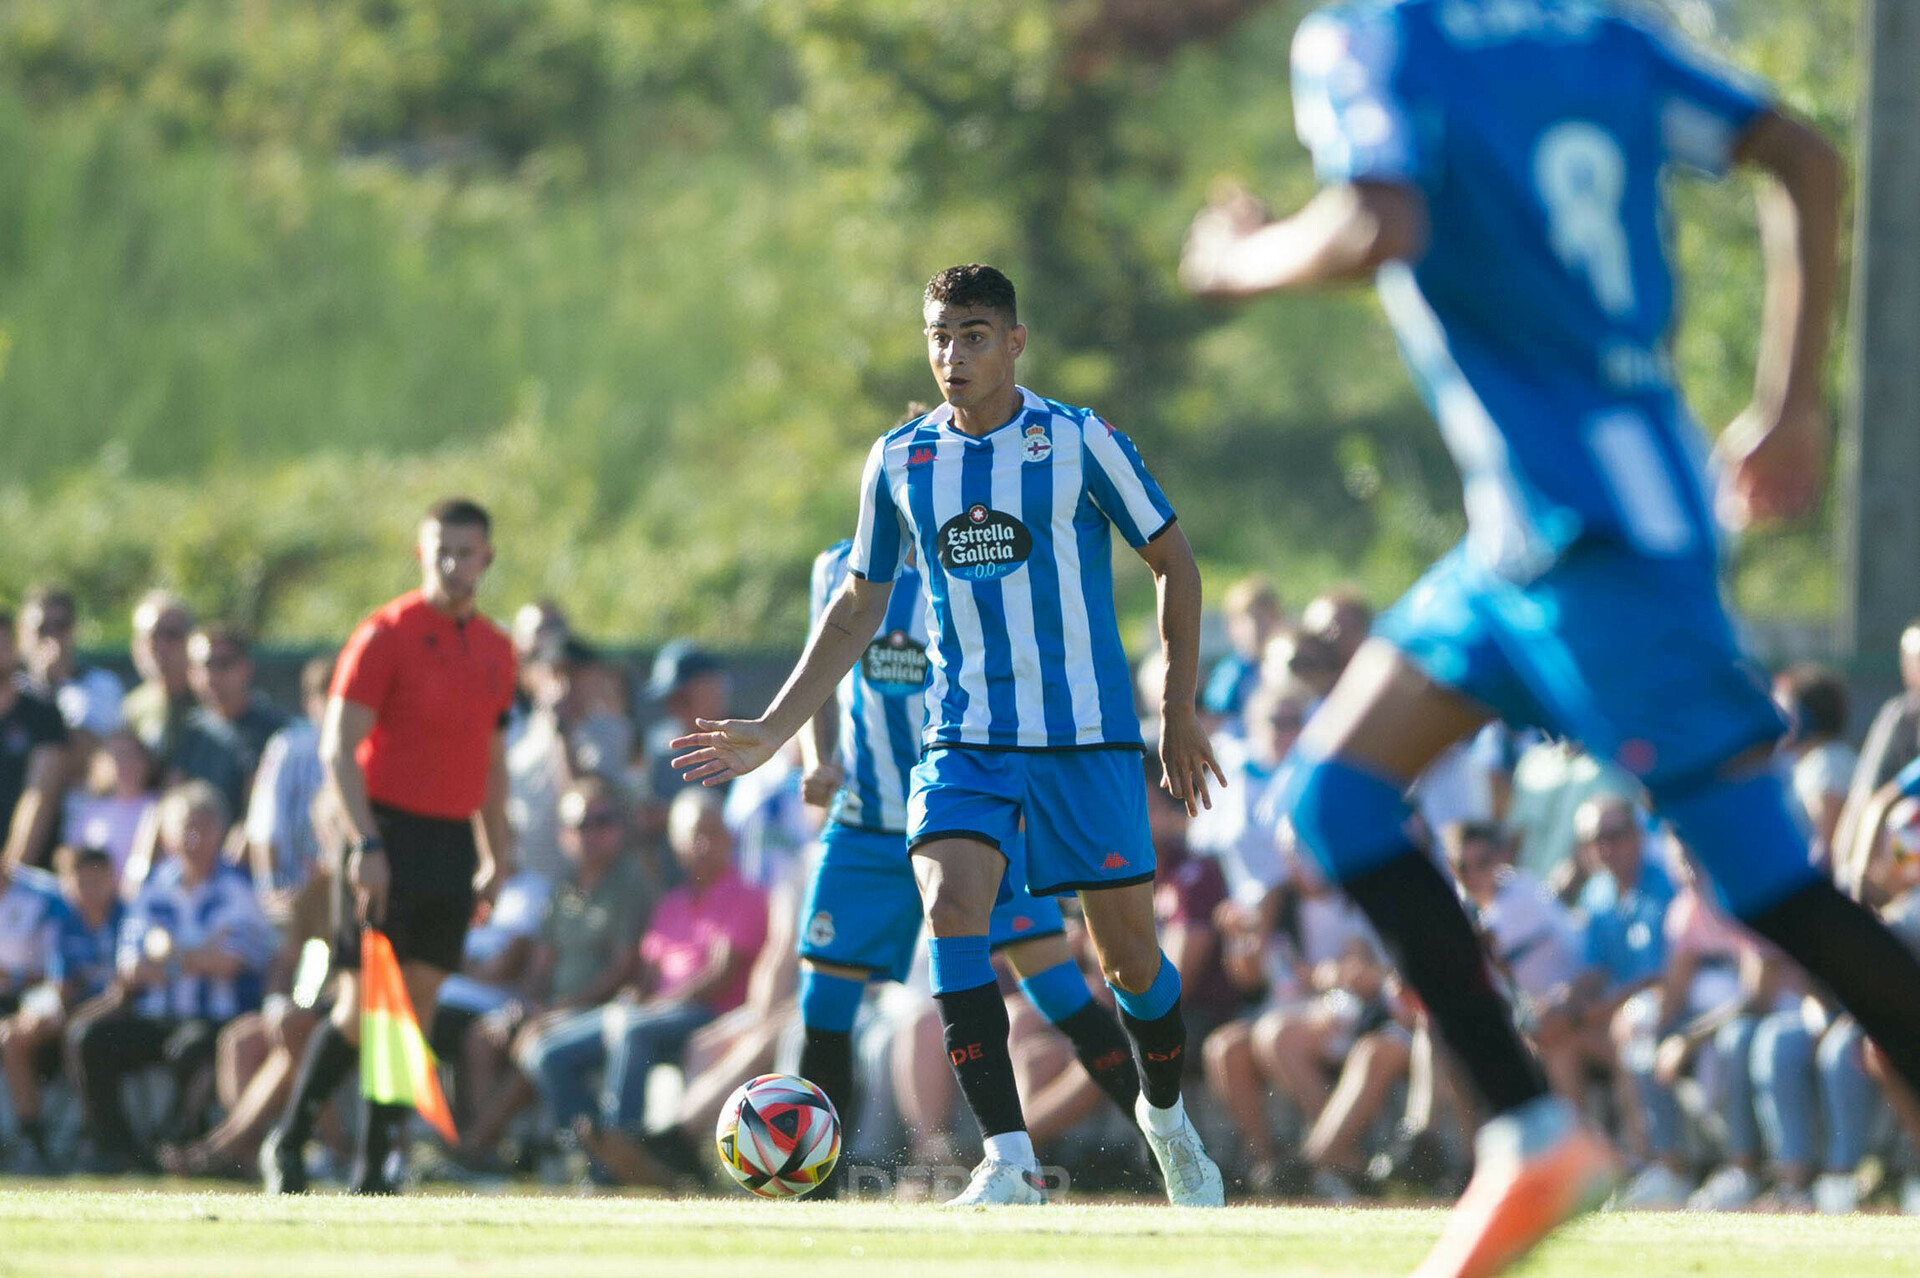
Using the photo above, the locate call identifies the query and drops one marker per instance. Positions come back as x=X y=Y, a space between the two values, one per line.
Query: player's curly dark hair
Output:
x=974 y=285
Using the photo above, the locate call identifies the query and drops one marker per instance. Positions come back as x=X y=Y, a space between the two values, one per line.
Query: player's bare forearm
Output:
x=733 y=747
x=1343 y=235
x=1176 y=579
x=1800 y=238
x=1186 y=755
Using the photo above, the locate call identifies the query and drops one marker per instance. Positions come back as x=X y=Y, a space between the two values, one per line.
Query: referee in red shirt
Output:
x=414 y=748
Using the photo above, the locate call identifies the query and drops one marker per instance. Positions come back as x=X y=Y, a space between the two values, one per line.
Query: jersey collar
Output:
x=942 y=415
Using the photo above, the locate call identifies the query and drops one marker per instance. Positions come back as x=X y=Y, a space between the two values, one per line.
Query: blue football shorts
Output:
x=1084 y=811
x=863 y=906
x=1633 y=657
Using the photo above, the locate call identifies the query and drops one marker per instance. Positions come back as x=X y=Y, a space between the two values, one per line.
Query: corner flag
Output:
x=396 y=1065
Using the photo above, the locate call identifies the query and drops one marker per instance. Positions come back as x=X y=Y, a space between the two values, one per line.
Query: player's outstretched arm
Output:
x=1775 y=452
x=731 y=748
x=1344 y=234
x=1186 y=756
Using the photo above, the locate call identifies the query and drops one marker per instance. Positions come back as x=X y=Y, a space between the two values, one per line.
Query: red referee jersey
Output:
x=439 y=689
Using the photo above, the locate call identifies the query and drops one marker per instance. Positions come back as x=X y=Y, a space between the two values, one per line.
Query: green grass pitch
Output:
x=100 y=1233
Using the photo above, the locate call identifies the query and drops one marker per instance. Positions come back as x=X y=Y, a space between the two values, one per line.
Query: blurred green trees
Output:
x=643 y=276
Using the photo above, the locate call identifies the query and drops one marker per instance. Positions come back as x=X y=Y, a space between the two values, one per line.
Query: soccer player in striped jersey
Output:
x=1499 y=167
x=862 y=913
x=1008 y=502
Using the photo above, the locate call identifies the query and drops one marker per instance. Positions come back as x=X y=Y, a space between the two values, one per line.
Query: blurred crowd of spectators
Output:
x=163 y=929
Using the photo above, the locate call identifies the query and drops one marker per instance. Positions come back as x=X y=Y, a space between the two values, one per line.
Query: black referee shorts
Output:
x=432 y=862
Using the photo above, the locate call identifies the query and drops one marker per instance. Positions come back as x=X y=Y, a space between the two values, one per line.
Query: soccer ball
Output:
x=778 y=1135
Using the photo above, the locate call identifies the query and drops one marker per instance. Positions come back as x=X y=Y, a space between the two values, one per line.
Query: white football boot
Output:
x=1193 y=1180
x=1000 y=1184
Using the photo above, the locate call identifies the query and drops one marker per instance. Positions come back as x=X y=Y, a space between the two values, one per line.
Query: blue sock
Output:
x=829 y=1002
x=1744 y=837
x=960 y=963
x=1351 y=820
x=1058 y=992
x=1157 y=1000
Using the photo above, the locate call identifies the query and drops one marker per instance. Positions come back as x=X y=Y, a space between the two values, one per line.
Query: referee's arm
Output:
x=346 y=725
x=493 y=835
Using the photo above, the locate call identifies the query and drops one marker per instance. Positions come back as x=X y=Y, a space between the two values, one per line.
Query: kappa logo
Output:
x=1115 y=861
x=922 y=456
x=1021 y=922
x=1038 y=447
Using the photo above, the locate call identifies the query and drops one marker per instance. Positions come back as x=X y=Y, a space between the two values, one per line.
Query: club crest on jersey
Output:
x=1038 y=447
x=983 y=544
x=895 y=665
x=820 y=931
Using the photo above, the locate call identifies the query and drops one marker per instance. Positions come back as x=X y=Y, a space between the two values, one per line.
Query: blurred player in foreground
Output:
x=1007 y=501
x=1498 y=165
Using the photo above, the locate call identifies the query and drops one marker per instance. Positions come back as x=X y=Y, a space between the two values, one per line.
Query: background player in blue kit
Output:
x=1499 y=164
x=1008 y=501
x=862 y=913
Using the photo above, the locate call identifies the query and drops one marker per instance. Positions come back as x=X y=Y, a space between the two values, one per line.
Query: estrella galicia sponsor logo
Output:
x=895 y=665
x=983 y=544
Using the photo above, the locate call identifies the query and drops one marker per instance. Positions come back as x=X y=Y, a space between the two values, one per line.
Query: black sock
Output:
x=328 y=1058
x=977 y=1028
x=35 y=1132
x=1420 y=921
x=1102 y=1048
x=1160 y=1046
x=379 y=1126
x=1842 y=945
x=826 y=1061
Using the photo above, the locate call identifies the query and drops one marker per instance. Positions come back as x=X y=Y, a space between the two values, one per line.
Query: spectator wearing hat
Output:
x=689 y=684
x=1814 y=699
x=567 y=736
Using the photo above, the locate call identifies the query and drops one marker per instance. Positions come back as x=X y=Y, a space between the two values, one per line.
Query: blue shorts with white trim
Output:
x=1084 y=811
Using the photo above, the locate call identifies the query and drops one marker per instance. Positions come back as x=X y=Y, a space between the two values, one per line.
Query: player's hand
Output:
x=369 y=876
x=728 y=748
x=1186 y=756
x=1231 y=215
x=1771 y=464
x=820 y=785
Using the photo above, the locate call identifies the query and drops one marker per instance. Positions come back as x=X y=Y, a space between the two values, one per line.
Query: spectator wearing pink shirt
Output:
x=694 y=958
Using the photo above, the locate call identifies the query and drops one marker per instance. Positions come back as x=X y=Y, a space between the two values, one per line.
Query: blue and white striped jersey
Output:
x=221 y=910
x=883 y=700
x=1013 y=531
x=1536 y=322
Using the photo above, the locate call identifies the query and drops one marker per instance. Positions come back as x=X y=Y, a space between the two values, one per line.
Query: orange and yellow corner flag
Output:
x=396 y=1065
